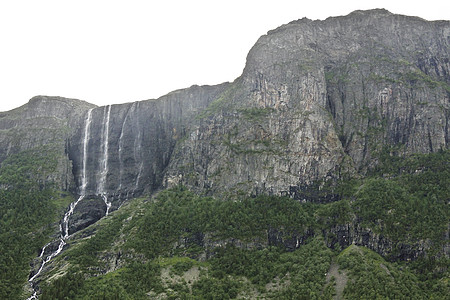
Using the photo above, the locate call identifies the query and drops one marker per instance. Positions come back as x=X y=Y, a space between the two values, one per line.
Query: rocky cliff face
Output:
x=130 y=145
x=126 y=148
x=318 y=98
x=43 y=121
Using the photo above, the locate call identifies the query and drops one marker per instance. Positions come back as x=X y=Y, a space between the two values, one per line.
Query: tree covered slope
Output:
x=179 y=245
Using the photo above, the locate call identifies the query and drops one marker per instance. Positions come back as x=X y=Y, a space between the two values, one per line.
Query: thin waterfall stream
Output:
x=64 y=227
x=101 y=187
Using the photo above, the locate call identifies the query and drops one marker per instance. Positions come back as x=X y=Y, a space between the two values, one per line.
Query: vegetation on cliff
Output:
x=183 y=246
x=29 y=208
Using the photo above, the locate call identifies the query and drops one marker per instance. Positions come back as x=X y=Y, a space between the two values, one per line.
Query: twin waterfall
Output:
x=101 y=189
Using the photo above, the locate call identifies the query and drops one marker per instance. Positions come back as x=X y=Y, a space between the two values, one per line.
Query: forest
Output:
x=181 y=245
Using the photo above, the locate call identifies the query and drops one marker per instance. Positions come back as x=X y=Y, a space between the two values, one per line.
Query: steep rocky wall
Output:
x=43 y=121
x=128 y=146
x=393 y=87
x=258 y=147
x=319 y=98
x=139 y=138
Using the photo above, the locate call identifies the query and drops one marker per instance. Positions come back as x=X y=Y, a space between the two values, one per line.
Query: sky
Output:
x=107 y=51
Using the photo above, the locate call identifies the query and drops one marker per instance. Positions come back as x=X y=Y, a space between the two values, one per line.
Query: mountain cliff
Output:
x=319 y=98
x=316 y=99
x=319 y=103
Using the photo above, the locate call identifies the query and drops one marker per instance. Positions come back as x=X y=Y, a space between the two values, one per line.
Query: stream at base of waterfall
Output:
x=101 y=190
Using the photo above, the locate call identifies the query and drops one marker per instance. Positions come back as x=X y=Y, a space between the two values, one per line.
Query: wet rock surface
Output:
x=141 y=139
x=87 y=212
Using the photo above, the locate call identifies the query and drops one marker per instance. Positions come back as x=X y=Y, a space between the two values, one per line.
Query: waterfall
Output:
x=84 y=180
x=138 y=148
x=121 y=147
x=104 y=162
x=64 y=227
x=87 y=131
x=133 y=112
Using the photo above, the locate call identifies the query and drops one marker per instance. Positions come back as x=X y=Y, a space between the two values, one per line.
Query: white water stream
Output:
x=121 y=147
x=104 y=162
x=138 y=148
x=64 y=228
x=101 y=188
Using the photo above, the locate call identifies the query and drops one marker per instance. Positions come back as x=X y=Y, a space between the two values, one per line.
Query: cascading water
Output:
x=104 y=162
x=121 y=149
x=64 y=228
x=133 y=121
x=138 y=148
x=100 y=190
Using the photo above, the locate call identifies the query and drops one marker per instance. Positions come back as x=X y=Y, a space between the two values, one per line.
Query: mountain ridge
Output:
x=315 y=99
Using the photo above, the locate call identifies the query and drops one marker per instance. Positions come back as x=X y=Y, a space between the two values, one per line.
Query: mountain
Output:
x=338 y=128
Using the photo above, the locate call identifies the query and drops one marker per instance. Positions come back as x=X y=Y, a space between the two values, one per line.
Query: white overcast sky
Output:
x=110 y=51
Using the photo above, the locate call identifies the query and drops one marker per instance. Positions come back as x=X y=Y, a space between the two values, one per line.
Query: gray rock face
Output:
x=87 y=212
x=43 y=121
x=319 y=98
x=354 y=233
x=130 y=145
